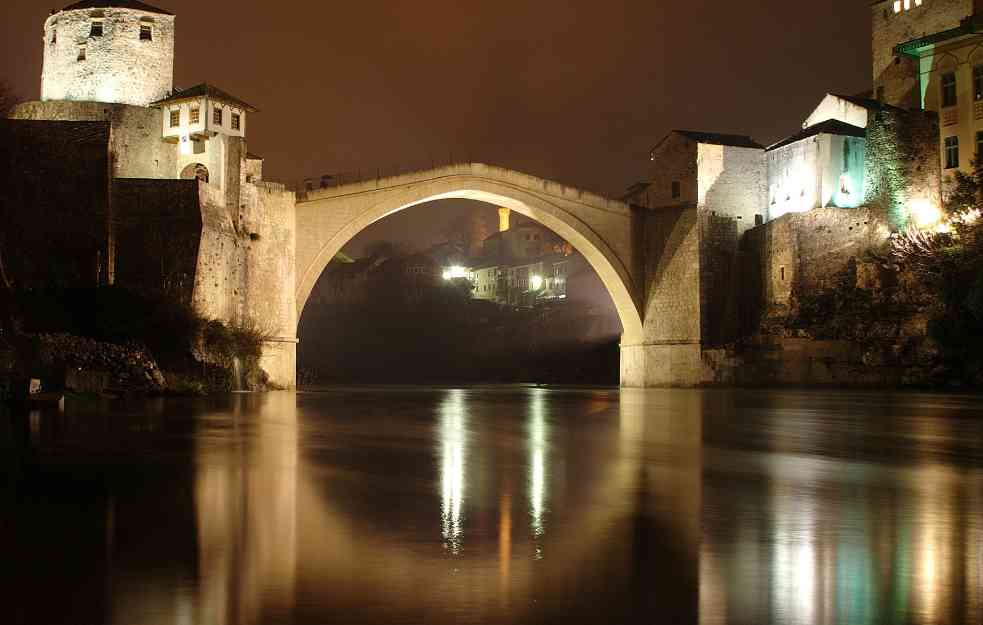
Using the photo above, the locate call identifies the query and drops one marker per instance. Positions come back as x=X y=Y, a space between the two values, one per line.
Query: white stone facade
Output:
x=203 y=116
x=731 y=182
x=120 y=65
x=839 y=108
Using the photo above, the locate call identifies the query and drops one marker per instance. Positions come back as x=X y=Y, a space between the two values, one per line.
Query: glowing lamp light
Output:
x=455 y=272
x=924 y=213
x=536 y=282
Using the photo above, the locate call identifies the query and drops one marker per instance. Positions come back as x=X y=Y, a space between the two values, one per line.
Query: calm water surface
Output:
x=496 y=505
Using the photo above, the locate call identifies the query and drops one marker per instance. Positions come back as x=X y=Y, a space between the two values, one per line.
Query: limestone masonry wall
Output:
x=800 y=253
x=900 y=80
x=902 y=163
x=673 y=160
x=733 y=182
x=158 y=233
x=55 y=177
x=246 y=273
x=670 y=351
x=135 y=142
x=118 y=66
x=719 y=279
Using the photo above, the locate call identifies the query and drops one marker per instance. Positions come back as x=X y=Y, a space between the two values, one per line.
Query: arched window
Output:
x=195 y=170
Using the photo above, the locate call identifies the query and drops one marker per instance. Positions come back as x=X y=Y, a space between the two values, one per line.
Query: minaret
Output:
x=503 y=219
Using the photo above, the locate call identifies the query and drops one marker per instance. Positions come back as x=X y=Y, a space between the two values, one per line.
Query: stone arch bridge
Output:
x=649 y=260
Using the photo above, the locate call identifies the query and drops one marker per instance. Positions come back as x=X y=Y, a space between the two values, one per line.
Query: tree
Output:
x=966 y=189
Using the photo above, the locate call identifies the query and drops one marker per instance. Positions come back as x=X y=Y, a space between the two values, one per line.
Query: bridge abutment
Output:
x=279 y=361
x=661 y=366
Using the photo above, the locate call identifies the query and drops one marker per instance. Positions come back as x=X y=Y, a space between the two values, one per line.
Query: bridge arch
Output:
x=598 y=228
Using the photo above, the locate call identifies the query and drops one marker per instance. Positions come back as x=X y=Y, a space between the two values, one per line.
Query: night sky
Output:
x=569 y=90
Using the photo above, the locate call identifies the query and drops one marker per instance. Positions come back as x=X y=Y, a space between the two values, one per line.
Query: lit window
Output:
x=96 y=29
x=236 y=123
x=175 y=118
x=948 y=89
x=906 y=5
x=951 y=152
x=81 y=56
x=146 y=32
x=217 y=116
x=195 y=116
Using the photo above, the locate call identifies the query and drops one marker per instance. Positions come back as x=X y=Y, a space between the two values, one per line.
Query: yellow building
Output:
x=929 y=54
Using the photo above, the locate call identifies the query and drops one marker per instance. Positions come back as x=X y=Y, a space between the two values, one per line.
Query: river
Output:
x=496 y=505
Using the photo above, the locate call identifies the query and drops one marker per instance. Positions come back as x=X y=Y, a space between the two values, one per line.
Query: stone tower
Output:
x=897 y=22
x=113 y=51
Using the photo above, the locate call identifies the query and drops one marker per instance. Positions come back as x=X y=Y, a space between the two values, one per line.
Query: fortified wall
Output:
x=134 y=133
x=54 y=201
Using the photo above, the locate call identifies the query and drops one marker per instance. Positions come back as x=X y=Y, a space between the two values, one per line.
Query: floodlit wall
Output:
x=732 y=182
x=246 y=270
x=135 y=142
x=833 y=107
x=816 y=172
x=670 y=351
x=801 y=253
x=116 y=67
x=902 y=166
x=965 y=118
x=897 y=78
x=206 y=108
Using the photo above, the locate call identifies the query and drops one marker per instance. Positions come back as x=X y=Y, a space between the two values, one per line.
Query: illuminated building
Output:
x=524 y=265
x=927 y=55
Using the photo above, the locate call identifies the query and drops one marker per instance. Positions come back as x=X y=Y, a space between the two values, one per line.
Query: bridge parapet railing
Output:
x=316 y=187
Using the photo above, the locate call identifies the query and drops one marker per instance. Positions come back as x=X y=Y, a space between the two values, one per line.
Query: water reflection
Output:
x=453 y=438
x=569 y=506
x=246 y=502
x=538 y=435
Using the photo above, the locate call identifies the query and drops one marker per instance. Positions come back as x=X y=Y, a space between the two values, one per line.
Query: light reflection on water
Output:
x=453 y=425
x=497 y=505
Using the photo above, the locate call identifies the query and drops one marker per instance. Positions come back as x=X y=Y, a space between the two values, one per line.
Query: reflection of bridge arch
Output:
x=598 y=228
x=292 y=538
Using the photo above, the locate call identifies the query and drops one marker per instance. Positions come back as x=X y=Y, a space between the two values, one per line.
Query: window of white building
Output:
x=217 y=116
x=951 y=152
x=236 y=121
x=175 y=120
x=146 y=32
x=81 y=54
x=96 y=30
x=195 y=115
x=949 y=89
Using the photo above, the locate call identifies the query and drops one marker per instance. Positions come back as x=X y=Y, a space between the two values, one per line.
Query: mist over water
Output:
x=506 y=504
